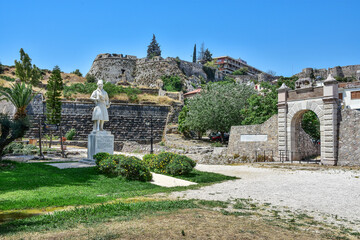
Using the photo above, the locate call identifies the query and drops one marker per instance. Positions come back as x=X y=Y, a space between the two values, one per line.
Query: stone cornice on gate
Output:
x=305 y=93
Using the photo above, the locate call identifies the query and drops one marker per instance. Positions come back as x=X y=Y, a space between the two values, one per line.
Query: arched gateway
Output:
x=292 y=104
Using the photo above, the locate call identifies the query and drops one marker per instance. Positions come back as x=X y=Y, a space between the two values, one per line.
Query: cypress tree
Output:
x=53 y=98
x=153 y=49
x=194 y=54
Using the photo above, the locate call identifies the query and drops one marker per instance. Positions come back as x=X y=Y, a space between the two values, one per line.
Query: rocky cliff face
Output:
x=117 y=68
x=351 y=71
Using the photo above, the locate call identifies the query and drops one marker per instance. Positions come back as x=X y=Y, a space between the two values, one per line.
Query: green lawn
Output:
x=38 y=185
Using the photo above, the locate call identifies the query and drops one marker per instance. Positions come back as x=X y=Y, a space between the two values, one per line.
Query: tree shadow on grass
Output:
x=36 y=176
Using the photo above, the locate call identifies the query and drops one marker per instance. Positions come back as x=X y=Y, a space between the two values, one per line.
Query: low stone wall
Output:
x=349 y=138
x=251 y=140
x=128 y=122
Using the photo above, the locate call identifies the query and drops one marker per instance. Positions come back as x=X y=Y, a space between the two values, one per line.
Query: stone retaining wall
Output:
x=128 y=122
x=252 y=148
x=349 y=138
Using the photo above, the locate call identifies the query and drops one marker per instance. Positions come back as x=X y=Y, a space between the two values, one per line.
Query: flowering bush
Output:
x=100 y=156
x=169 y=163
x=107 y=165
x=161 y=161
x=180 y=165
x=149 y=160
x=133 y=168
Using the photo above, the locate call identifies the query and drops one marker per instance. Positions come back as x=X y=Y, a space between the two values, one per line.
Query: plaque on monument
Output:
x=99 y=140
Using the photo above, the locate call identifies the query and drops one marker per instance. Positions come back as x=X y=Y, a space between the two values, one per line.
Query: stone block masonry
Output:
x=128 y=122
x=249 y=140
x=349 y=138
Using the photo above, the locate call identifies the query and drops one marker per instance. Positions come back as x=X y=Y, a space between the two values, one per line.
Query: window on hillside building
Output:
x=355 y=95
x=340 y=96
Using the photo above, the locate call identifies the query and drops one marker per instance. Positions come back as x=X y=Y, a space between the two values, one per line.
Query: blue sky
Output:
x=283 y=36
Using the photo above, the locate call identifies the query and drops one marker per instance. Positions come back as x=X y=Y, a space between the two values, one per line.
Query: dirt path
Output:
x=333 y=192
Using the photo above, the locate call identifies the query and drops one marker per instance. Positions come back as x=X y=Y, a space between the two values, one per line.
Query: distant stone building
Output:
x=228 y=65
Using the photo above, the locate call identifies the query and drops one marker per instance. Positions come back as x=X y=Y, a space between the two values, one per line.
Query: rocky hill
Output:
x=351 y=72
x=118 y=68
x=8 y=76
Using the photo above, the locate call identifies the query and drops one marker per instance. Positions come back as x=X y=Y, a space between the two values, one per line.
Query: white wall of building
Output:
x=347 y=102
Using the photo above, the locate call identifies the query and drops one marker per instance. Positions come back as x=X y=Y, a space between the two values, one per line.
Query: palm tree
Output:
x=20 y=95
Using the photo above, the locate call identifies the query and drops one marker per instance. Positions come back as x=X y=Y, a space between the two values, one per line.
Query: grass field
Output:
x=93 y=215
x=38 y=185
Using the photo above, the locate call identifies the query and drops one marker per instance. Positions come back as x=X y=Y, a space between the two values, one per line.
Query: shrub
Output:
x=172 y=83
x=9 y=79
x=180 y=165
x=162 y=160
x=100 y=156
x=169 y=163
x=70 y=134
x=90 y=78
x=13 y=147
x=133 y=168
x=149 y=160
x=30 y=149
x=77 y=72
x=241 y=71
x=107 y=166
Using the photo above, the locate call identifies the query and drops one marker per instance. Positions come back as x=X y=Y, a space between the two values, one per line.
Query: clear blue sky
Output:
x=283 y=36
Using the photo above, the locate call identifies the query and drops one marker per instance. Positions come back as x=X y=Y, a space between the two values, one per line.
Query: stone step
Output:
x=88 y=161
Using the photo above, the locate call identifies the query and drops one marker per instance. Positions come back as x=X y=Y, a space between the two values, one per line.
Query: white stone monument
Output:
x=100 y=140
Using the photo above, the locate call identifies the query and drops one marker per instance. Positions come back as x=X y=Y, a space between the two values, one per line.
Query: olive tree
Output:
x=218 y=107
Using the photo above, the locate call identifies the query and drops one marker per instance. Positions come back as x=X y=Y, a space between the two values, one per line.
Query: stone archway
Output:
x=302 y=146
x=323 y=101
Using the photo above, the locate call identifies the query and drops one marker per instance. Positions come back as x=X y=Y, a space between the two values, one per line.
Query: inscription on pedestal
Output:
x=100 y=141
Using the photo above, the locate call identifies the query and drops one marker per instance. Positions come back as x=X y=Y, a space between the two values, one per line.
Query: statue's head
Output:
x=100 y=84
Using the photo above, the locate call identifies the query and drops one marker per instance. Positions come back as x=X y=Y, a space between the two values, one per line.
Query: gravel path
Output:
x=331 y=191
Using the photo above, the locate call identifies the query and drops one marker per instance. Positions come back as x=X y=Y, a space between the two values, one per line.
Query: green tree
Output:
x=77 y=72
x=207 y=56
x=1 y=68
x=20 y=96
x=90 y=78
x=218 y=107
x=261 y=106
x=53 y=98
x=194 y=54
x=311 y=125
x=25 y=71
x=289 y=81
x=182 y=127
x=153 y=49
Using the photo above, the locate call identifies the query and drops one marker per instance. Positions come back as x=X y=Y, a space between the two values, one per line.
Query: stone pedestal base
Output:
x=327 y=161
x=100 y=141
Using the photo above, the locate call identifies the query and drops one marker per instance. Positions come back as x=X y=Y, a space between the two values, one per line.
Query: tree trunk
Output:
x=199 y=135
x=50 y=139
x=222 y=136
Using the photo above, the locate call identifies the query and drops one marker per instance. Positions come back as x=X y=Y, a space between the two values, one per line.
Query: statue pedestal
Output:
x=100 y=141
